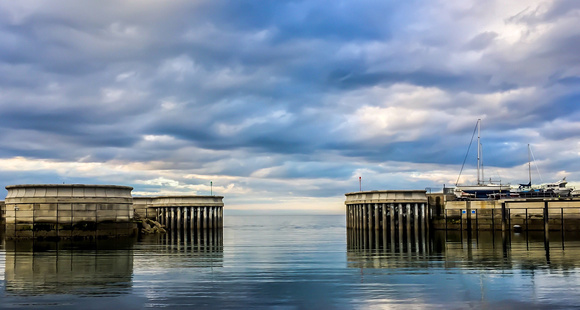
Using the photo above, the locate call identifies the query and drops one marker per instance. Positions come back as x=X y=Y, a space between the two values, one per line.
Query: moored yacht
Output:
x=482 y=189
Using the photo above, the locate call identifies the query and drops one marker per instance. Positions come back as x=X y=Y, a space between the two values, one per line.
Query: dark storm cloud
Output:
x=278 y=88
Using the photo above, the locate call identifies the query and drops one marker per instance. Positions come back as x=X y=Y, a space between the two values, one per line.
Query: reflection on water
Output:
x=295 y=262
x=182 y=249
x=43 y=267
x=460 y=249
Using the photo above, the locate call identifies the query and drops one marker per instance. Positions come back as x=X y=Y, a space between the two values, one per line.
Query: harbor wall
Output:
x=2 y=213
x=182 y=212
x=69 y=211
x=528 y=214
x=414 y=209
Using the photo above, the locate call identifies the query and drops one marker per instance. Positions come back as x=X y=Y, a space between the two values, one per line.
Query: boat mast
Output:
x=529 y=165
x=478 y=150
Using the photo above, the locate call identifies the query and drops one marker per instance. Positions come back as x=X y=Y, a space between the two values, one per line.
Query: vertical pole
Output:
x=526 y=219
x=546 y=221
x=179 y=220
x=493 y=218
x=503 y=216
x=468 y=215
x=562 y=219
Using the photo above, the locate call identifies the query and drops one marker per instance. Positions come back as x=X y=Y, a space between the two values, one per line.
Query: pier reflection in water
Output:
x=462 y=249
x=203 y=248
x=81 y=268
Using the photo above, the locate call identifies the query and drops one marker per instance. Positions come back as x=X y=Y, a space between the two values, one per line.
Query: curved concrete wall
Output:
x=68 y=210
x=387 y=209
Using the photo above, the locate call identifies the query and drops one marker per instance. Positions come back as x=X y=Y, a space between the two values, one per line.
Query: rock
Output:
x=145 y=225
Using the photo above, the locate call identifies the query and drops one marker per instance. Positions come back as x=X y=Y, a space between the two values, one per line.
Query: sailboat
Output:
x=482 y=189
x=556 y=189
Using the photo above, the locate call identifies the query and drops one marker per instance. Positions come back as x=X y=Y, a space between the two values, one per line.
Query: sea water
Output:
x=295 y=262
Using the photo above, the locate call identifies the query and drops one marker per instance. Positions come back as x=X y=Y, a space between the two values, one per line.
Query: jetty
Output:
x=402 y=209
x=82 y=211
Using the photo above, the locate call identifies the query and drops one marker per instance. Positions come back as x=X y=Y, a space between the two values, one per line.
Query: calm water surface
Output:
x=295 y=262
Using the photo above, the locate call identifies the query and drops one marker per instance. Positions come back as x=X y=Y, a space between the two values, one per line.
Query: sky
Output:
x=283 y=105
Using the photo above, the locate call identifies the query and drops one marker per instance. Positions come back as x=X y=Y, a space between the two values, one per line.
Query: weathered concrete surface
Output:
x=182 y=212
x=2 y=213
x=69 y=211
x=386 y=196
x=529 y=214
x=146 y=207
x=386 y=209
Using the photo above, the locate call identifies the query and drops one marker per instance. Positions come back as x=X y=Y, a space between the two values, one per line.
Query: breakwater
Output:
x=402 y=210
x=183 y=212
x=73 y=211
x=387 y=210
x=69 y=211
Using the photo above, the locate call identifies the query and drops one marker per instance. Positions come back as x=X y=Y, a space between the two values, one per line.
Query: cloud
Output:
x=279 y=102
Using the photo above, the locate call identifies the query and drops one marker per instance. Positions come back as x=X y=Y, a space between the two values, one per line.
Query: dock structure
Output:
x=414 y=209
x=503 y=214
x=183 y=212
x=68 y=211
x=387 y=210
x=392 y=219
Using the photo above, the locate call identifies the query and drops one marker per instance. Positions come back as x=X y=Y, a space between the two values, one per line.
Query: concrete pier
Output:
x=406 y=211
x=530 y=214
x=183 y=212
x=386 y=210
x=69 y=211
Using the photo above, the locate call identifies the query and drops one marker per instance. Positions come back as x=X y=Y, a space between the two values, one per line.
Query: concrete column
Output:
x=392 y=217
x=215 y=217
x=347 y=217
x=207 y=217
x=178 y=217
x=355 y=210
x=354 y=218
x=198 y=219
x=351 y=217
x=400 y=217
x=364 y=216
x=425 y=213
x=416 y=215
x=377 y=218
x=175 y=222
x=357 y=215
x=348 y=207
x=191 y=219
x=408 y=216
x=384 y=209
